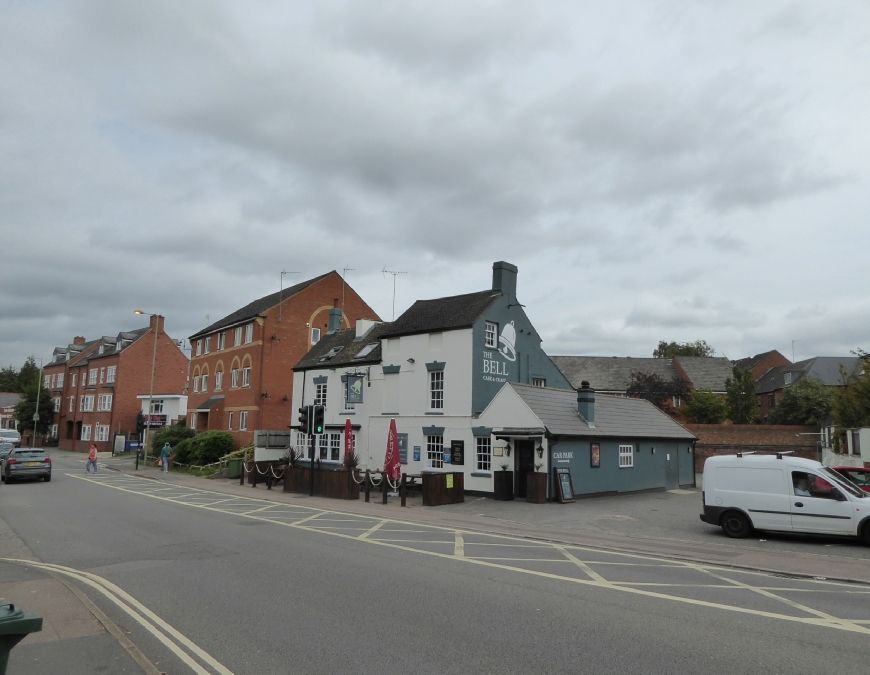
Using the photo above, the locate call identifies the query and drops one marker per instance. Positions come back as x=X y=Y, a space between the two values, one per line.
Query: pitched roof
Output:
x=825 y=369
x=70 y=352
x=457 y=311
x=749 y=362
x=256 y=307
x=114 y=345
x=9 y=399
x=706 y=372
x=350 y=346
x=209 y=404
x=610 y=373
x=615 y=416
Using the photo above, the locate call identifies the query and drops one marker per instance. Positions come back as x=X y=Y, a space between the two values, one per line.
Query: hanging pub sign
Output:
x=355 y=388
x=457 y=449
x=403 y=448
x=564 y=484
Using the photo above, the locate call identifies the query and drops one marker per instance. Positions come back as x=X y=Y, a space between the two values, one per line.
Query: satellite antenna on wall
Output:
x=281 y=292
x=386 y=271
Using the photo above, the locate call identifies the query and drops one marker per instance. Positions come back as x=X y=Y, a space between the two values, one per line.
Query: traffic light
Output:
x=140 y=424
x=318 y=419
x=305 y=419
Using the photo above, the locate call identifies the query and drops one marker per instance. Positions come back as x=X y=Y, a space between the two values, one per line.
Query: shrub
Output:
x=209 y=446
x=172 y=434
x=184 y=451
x=705 y=407
x=49 y=442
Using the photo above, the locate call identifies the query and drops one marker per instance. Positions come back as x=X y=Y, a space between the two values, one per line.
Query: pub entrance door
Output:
x=525 y=464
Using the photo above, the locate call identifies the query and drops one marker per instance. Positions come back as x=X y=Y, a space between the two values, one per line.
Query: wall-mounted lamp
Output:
x=541 y=451
x=653 y=451
x=285 y=398
x=411 y=360
x=265 y=394
x=507 y=449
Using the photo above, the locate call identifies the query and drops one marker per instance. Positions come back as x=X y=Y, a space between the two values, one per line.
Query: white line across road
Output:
x=198 y=660
x=755 y=593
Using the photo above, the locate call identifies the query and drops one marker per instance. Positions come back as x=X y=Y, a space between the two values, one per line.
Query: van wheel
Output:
x=735 y=525
x=865 y=533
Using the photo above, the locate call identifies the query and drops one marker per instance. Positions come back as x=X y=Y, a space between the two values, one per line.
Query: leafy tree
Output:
x=8 y=379
x=655 y=389
x=668 y=350
x=852 y=402
x=172 y=434
x=27 y=406
x=28 y=375
x=741 y=393
x=705 y=407
x=806 y=402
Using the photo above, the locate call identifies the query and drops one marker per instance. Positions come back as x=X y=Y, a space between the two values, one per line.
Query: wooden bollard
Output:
x=403 y=489
x=368 y=484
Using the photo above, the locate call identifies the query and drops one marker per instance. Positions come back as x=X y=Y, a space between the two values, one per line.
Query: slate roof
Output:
x=610 y=373
x=346 y=339
x=210 y=403
x=8 y=399
x=615 y=416
x=71 y=351
x=111 y=344
x=706 y=372
x=457 y=311
x=825 y=369
x=256 y=307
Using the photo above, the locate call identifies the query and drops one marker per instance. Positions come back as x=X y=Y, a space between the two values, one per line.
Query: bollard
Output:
x=269 y=479
x=242 y=473
x=368 y=484
x=403 y=489
x=384 y=486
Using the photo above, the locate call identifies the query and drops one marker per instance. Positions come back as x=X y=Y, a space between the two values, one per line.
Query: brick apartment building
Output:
x=8 y=401
x=242 y=365
x=94 y=384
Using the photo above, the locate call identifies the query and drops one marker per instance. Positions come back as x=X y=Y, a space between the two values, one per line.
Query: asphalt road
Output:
x=259 y=587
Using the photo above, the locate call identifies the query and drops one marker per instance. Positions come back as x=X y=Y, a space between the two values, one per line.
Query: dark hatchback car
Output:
x=858 y=475
x=5 y=449
x=26 y=463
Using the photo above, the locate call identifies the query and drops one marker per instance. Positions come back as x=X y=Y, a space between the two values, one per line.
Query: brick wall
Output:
x=728 y=439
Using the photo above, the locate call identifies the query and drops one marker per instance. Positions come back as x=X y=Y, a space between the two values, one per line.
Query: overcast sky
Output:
x=656 y=170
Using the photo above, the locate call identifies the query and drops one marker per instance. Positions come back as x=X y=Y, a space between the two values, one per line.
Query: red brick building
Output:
x=242 y=365
x=95 y=384
x=759 y=364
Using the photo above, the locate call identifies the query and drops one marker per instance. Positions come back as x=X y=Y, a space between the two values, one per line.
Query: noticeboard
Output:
x=457 y=449
x=564 y=484
x=403 y=448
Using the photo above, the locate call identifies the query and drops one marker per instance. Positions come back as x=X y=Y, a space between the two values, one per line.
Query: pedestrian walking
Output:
x=92 y=459
x=165 y=454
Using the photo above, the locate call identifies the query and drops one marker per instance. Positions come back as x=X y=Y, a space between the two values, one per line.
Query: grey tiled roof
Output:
x=610 y=373
x=110 y=344
x=706 y=372
x=346 y=339
x=256 y=307
x=9 y=399
x=771 y=380
x=615 y=416
x=825 y=369
x=458 y=311
x=749 y=362
x=210 y=403
x=70 y=352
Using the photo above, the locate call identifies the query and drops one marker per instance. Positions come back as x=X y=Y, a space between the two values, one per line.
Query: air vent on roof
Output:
x=365 y=351
x=331 y=353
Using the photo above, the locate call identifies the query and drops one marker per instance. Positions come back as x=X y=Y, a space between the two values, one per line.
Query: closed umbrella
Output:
x=392 y=465
x=348 y=439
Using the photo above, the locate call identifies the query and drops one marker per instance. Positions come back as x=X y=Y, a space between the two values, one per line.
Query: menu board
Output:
x=564 y=484
x=457 y=449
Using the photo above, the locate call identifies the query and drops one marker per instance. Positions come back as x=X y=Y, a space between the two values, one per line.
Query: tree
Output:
x=741 y=393
x=852 y=402
x=705 y=407
x=28 y=374
x=806 y=402
x=668 y=350
x=8 y=379
x=27 y=406
x=655 y=389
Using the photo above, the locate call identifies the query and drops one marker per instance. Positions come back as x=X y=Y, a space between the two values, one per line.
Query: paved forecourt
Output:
x=834 y=605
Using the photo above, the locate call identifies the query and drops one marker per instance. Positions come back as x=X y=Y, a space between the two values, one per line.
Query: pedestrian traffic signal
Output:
x=305 y=419
x=319 y=411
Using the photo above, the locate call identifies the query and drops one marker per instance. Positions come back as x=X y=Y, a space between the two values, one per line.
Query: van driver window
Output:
x=810 y=485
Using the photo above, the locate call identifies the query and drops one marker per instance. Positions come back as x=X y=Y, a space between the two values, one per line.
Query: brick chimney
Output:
x=79 y=340
x=154 y=322
x=586 y=402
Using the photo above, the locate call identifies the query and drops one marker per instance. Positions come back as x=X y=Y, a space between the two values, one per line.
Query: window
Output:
x=74 y=378
x=677 y=401
x=365 y=351
x=491 y=335
x=237 y=336
x=436 y=390
x=230 y=417
x=626 y=456
x=788 y=378
x=46 y=381
x=811 y=485
x=204 y=383
x=157 y=406
x=54 y=430
x=198 y=347
x=435 y=451
x=193 y=420
x=320 y=395
x=206 y=345
x=334 y=447
x=72 y=403
x=53 y=380
x=539 y=382
x=249 y=333
x=104 y=402
x=86 y=404
x=60 y=380
x=86 y=432
x=315 y=336
x=102 y=432
x=196 y=384
x=303 y=444
x=484 y=453
x=234 y=378
x=218 y=380
x=93 y=376
x=323 y=446
x=102 y=375
x=246 y=376
x=770 y=402
x=56 y=402
x=347 y=406
x=332 y=352
x=243 y=420
x=222 y=340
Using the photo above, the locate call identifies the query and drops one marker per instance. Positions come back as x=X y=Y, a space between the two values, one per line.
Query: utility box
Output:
x=15 y=625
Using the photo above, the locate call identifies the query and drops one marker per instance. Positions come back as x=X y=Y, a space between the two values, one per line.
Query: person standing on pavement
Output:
x=92 y=459
x=165 y=454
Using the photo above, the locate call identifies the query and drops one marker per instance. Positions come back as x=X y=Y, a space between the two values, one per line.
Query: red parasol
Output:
x=348 y=438
x=392 y=465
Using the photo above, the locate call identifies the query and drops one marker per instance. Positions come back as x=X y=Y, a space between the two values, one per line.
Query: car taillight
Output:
x=12 y=461
x=47 y=460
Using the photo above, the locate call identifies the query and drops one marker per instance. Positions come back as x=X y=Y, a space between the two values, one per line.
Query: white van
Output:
x=10 y=436
x=779 y=492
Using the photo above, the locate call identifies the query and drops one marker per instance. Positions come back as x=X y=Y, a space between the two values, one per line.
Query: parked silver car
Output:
x=5 y=449
x=10 y=436
x=26 y=463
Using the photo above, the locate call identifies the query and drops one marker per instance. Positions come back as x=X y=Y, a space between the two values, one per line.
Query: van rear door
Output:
x=761 y=492
x=819 y=506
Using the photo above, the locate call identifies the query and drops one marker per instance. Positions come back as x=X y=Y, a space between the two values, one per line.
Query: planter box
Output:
x=436 y=492
x=503 y=485
x=536 y=488
x=327 y=483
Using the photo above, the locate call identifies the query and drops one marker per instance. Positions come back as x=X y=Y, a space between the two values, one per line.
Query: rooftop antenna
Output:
x=207 y=319
x=281 y=293
x=386 y=271
x=344 y=274
x=792 y=349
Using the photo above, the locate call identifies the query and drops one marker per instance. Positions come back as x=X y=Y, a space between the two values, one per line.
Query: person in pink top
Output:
x=92 y=459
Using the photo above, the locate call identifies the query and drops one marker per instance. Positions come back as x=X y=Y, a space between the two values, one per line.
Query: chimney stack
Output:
x=334 y=320
x=586 y=402
x=79 y=340
x=156 y=320
x=504 y=279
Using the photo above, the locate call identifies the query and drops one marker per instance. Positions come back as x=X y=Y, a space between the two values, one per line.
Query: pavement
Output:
x=663 y=524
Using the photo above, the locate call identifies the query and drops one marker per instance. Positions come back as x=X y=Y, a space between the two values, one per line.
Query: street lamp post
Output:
x=36 y=410
x=151 y=390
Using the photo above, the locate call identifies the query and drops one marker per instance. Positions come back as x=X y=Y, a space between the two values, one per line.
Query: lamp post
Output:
x=151 y=390
x=36 y=410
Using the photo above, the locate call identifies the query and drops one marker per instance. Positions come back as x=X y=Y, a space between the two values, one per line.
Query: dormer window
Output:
x=788 y=378
x=365 y=351
x=330 y=354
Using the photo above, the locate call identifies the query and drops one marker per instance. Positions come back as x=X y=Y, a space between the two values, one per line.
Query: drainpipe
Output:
x=260 y=400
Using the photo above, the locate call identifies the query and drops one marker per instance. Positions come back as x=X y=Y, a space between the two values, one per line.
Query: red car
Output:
x=858 y=475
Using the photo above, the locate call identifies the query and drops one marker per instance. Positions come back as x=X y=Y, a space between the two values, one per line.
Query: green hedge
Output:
x=173 y=435
x=184 y=452
x=210 y=446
